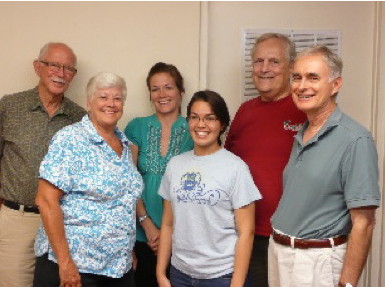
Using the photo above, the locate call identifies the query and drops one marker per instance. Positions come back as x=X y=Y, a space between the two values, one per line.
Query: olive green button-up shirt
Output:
x=25 y=132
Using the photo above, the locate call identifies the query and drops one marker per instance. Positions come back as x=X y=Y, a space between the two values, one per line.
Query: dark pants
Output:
x=47 y=275
x=180 y=279
x=258 y=266
x=145 y=275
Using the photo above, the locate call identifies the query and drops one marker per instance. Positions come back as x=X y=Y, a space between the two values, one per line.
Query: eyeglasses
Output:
x=56 y=67
x=207 y=119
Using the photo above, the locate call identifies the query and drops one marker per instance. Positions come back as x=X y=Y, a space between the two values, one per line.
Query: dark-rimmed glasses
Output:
x=56 y=67
x=207 y=119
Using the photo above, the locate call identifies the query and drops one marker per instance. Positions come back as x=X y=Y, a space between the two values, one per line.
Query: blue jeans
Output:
x=180 y=279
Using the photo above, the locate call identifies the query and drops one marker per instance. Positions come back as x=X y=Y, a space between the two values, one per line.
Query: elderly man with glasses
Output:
x=28 y=120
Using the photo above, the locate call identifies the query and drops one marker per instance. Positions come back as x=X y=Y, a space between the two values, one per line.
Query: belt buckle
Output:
x=21 y=208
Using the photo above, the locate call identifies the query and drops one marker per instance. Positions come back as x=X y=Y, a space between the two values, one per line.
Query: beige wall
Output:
x=128 y=37
x=122 y=37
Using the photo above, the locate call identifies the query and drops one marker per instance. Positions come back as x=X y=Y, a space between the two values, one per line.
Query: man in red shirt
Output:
x=262 y=135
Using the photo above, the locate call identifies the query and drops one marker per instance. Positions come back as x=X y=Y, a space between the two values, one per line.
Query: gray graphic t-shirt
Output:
x=204 y=192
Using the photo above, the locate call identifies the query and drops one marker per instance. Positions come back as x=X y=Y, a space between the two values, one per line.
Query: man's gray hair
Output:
x=290 y=46
x=105 y=80
x=333 y=61
x=44 y=50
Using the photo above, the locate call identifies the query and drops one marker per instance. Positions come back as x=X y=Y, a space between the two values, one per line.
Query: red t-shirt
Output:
x=262 y=134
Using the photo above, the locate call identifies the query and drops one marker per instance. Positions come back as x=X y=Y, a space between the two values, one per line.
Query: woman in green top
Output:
x=156 y=139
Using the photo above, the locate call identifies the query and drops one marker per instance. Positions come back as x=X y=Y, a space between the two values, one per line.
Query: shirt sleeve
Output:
x=59 y=164
x=133 y=131
x=244 y=189
x=229 y=139
x=360 y=174
x=136 y=182
x=232 y=129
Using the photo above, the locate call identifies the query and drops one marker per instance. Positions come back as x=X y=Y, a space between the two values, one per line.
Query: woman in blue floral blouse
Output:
x=88 y=189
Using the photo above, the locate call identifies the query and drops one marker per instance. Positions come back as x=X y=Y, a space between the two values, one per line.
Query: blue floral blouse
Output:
x=100 y=190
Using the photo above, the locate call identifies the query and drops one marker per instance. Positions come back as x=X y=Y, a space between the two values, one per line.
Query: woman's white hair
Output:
x=105 y=80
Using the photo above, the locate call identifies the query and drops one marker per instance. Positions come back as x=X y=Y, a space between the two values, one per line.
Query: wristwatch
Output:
x=345 y=285
x=142 y=218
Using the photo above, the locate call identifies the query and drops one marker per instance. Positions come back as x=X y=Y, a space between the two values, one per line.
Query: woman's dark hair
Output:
x=161 y=67
x=218 y=105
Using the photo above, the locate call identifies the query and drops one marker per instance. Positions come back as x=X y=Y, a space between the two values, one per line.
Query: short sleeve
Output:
x=165 y=186
x=244 y=189
x=59 y=164
x=136 y=182
x=133 y=131
x=360 y=174
x=229 y=139
x=234 y=127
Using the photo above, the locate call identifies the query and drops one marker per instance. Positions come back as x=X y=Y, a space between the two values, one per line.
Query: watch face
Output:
x=348 y=285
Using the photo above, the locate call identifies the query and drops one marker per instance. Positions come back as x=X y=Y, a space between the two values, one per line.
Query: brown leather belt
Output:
x=21 y=207
x=308 y=243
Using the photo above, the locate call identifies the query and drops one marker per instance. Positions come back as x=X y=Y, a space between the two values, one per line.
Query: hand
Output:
x=69 y=274
x=153 y=244
x=152 y=234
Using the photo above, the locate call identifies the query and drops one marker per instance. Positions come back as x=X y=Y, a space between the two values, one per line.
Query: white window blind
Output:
x=301 y=38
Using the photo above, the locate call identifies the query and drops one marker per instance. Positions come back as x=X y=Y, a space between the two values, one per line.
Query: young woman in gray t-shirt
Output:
x=208 y=219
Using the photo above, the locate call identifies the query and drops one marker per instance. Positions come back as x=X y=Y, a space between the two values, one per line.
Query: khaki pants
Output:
x=17 y=236
x=313 y=267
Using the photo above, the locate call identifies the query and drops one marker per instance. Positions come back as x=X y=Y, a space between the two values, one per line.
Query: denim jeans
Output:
x=180 y=279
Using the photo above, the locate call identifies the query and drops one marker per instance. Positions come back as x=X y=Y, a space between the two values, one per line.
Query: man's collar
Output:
x=36 y=103
x=332 y=121
x=63 y=108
